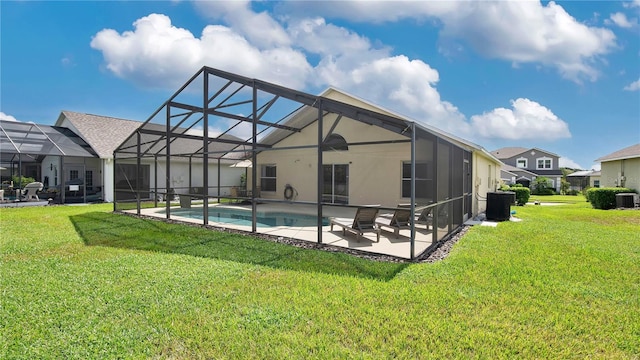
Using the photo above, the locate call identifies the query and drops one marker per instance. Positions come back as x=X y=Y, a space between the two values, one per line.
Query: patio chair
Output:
x=425 y=217
x=363 y=221
x=30 y=190
x=399 y=220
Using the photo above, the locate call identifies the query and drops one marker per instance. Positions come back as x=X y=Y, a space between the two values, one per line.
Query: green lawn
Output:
x=80 y=282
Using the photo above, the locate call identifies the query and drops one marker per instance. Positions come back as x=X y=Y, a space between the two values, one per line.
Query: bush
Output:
x=572 y=192
x=25 y=180
x=522 y=193
x=542 y=186
x=605 y=198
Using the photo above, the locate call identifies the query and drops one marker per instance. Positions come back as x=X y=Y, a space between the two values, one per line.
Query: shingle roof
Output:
x=508 y=152
x=104 y=134
x=632 y=151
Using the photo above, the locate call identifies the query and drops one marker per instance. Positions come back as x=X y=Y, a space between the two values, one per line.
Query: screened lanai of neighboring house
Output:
x=55 y=156
x=309 y=161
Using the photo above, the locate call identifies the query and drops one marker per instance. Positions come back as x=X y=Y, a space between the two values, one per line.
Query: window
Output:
x=422 y=181
x=268 y=178
x=88 y=179
x=544 y=163
x=335 y=142
x=73 y=174
x=596 y=183
x=521 y=163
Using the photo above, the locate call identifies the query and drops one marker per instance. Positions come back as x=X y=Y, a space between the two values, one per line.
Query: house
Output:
x=532 y=163
x=580 y=180
x=314 y=155
x=621 y=168
x=512 y=175
x=45 y=154
x=74 y=159
x=362 y=165
x=104 y=134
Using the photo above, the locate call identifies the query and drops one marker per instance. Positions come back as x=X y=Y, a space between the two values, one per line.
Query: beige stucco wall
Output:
x=375 y=171
x=486 y=178
x=370 y=166
x=611 y=171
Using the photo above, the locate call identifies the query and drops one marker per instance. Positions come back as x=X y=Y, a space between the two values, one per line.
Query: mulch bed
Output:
x=435 y=253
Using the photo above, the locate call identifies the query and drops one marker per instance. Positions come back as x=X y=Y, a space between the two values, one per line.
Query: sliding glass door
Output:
x=335 y=183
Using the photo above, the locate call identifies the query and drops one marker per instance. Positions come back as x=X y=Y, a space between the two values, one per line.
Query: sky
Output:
x=558 y=76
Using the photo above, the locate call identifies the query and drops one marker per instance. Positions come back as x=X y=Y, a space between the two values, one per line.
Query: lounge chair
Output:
x=30 y=190
x=425 y=218
x=423 y=214
x=399 y=220
x=363 y=221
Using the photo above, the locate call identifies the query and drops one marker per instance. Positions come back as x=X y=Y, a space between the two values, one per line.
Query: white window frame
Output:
x=526 y=163
x=544 y=160
x=263 y=169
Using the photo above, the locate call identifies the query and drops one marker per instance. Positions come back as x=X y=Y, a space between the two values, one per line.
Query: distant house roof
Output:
x=630 y=152
x=515 y=170
x=104 y=134
x=581 y=173
x=509 y=152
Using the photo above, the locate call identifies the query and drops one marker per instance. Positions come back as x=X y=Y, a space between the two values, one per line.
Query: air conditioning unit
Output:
x=626 y=200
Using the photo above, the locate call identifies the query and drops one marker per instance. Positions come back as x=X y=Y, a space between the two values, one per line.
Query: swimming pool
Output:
x=243 y=217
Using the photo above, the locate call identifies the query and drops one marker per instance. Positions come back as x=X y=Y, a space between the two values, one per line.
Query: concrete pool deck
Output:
x=388 y=245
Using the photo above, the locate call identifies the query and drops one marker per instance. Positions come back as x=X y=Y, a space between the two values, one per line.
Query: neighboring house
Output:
x=512 y=175
x=74 y=160
x=583 y=179
x=51 y=155
x=105 y=134
x=535 y=162
x=621 y=168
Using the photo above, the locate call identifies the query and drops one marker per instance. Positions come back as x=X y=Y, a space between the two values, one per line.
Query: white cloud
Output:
x=621 y=20
x=159 y=54
x=631 y=4
x=634 y=86
x=516 y=31
x=527 y=120
x=568 y=163
x=6 y=117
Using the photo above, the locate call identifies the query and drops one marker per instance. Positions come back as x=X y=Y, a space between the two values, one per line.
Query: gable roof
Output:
x=581 y=173
x=509 y=152
x=516 y=170
x=104 y=134
x=630 y=152
x=306 y=115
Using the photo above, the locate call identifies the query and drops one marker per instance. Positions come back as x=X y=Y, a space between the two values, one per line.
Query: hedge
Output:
x=522 y=193
x=605 y=198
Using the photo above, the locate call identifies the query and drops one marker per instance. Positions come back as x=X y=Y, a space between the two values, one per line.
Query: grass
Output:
x=568 y=199
x=80 y=282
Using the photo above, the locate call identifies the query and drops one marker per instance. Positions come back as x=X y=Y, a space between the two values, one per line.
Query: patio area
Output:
x=389 y=244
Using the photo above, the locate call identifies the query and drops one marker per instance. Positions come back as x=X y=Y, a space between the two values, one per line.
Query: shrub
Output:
x=25 y=180
x=541 y=186
x=572 y=192
x=605 y=198
x=522 y=193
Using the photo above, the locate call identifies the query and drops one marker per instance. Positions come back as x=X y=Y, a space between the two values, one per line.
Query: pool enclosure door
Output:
x=335 y=183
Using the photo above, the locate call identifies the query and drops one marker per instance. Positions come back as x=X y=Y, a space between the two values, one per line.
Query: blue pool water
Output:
x=243 y=217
